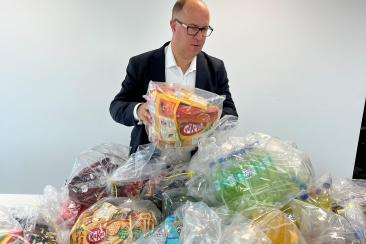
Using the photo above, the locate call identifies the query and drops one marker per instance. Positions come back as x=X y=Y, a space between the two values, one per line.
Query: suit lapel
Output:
x=201 y=72
x=157 y=65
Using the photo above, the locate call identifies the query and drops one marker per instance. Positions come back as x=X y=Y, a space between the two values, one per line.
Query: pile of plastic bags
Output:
x=234 y=189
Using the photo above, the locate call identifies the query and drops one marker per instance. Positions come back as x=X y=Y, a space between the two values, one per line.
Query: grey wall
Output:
x=296 y=69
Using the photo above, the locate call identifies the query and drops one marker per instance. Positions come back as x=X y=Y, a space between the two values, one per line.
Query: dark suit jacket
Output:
x=150 y=66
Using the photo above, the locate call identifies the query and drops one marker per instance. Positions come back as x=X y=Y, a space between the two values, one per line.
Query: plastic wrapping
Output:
x=320 y=193
x=278 y=228
x=353 y=212
x=10 y=229
x=180 y=116
x=37 y=227
x=191 y=223
x=251 y=171
x=102 y=172
x=242 y=230
x=171 y=177
x=174 y=198
x=115 y=220
x=168 y=232
x=201 y=224
x=321 y=226
x=89 y=180
x=345 y=190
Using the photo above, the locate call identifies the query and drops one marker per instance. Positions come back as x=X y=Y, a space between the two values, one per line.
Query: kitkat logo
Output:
x=189 y=129
x=96 y=235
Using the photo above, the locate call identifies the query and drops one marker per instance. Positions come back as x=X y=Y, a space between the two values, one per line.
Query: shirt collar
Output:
x=170 y=60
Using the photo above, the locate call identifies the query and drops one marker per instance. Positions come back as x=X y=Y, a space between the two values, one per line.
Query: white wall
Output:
x=296 y=69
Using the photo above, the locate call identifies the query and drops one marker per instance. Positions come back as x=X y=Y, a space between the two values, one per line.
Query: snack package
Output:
x=37 y=226
x=115 y=220
x=10 y=229
x=180 y=116
x=191 y=223
x=258 y=170
x=89 y=180
x=168 y=232
x=322 y=226
x=107 y=170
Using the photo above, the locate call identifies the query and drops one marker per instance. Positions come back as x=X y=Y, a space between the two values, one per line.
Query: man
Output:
x=181 y=61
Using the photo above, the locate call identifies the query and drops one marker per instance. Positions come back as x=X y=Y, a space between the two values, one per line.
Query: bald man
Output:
x=180 y=61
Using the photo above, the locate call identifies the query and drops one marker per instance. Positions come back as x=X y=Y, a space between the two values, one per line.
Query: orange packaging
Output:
x=180 y=116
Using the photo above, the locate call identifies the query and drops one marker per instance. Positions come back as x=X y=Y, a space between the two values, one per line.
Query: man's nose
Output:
x=199 y=35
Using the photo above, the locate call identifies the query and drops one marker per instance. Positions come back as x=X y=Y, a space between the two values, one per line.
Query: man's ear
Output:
x=173 y=24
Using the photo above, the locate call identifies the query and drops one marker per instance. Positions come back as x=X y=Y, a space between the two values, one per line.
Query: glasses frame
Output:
x=199 y=29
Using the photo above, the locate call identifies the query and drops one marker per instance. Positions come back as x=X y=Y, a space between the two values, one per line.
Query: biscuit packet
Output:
x=180 y=115
x=115 y=220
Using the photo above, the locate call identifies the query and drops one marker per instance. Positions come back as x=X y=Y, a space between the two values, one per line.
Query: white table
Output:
x=13 y=200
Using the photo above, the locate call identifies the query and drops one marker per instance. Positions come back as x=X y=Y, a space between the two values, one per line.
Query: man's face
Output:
x=188 y=46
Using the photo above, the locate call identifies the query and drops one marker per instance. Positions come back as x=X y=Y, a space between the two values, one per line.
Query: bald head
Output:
x=189 y=5
x=188 y=15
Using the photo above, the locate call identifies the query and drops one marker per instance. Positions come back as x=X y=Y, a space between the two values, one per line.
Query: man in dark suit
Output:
x=181 y=60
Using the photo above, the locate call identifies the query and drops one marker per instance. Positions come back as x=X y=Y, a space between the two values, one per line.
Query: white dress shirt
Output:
x=174 y=74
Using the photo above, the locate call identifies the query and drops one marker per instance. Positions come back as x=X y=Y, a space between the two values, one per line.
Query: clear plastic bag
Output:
x=353 y=212
x=191 y=223
x=168 y=232
x=321 y=226
x=246 y=172
x=37 y=225
x=115 y=220
x=345 y=190
x=242 y=230
x=10 y=229
x=174 y=198
x=276 y=225
x=320 y=193
x=201 y=224
x=171 y=177
x=89 y=180
x=180 y=116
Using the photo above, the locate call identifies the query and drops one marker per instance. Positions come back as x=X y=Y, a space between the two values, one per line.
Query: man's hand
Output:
x=144 y=114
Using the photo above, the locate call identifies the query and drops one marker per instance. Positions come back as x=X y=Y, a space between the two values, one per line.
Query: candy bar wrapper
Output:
x=245 y=172
x=321 y=226
x=181 y=116
x=115 y=220
x=10 y=229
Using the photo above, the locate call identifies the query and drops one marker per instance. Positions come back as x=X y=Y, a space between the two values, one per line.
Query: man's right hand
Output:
x=144 y=114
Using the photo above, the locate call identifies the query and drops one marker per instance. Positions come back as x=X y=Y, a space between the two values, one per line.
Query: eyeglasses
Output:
x=193 y=30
